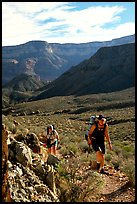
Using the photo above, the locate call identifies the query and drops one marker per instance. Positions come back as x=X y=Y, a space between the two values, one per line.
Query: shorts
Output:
x=49 y=144
x=97 y=146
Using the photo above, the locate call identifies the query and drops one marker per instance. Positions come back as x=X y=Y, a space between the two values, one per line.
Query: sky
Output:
x=66 y=22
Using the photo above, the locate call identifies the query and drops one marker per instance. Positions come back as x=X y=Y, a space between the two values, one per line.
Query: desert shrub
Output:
x=62 y=169
x=64 y=150
x=128 y=148
x=38 y=130
x=87 y=157
x=65 y=140
x=108 y=157
x=128 y=151
x=73 y=147
x=84 y=146
x=116 y=163
x=20 y=129
x=116 y=149
x=11 y=127
x=9 y=124
x=129 y=168
x=74 y=186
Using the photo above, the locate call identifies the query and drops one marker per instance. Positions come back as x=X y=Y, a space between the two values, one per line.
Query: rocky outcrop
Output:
x=29 y=66
x=25 y=176
x=6 y=197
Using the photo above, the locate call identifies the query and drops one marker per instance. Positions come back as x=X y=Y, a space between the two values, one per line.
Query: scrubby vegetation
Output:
x=75 y=183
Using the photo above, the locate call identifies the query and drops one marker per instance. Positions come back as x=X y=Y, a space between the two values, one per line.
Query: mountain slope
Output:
x=24 y=82
x=110 y=69
x=50 y=60
x=20 y=88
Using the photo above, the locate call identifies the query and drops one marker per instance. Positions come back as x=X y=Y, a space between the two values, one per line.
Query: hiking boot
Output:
x=102 y=171
x=98 y=166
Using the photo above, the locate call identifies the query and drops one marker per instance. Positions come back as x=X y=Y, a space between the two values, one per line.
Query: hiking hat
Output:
x=51 y=127
x=101 y=117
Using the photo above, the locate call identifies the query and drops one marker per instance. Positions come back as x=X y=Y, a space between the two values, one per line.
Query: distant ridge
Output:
x=110 y=69
x=50 y=60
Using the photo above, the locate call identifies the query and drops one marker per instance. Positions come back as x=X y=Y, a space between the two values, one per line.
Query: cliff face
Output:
x=110 y=69
x=49 y=60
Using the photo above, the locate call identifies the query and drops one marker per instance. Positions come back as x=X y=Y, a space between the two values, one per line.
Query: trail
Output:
x=116 y=187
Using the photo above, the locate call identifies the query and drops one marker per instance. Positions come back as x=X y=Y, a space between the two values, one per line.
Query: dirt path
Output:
x=117 y=188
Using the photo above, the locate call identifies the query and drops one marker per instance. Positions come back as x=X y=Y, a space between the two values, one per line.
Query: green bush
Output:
x=73 y=190
x=129 y=169
x=108 y=157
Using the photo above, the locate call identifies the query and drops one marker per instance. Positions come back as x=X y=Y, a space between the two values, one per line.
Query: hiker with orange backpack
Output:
x=52 y=139
x=96 y=136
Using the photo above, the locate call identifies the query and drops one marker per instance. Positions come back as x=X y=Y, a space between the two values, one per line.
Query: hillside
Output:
x=110 y=69
x=20 y=88
x=74 y=104
x=24 y=82
x=75 y=179
x=50 y=60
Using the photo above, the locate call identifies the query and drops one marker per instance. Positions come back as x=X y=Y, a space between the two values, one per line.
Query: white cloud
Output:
x=26 y=21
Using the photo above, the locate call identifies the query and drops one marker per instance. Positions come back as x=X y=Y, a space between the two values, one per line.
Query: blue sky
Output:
x=66 y=22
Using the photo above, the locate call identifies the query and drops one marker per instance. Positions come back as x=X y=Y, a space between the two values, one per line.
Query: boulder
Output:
x=52 y=160
x=23 y=154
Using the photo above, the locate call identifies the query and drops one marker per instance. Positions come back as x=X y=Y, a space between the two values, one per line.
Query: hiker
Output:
x=97 y=135
x=52 y=139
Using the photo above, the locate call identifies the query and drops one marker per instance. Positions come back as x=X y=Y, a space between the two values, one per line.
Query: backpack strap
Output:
x=97 y=132
x=103 y=127
x=96 y=123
